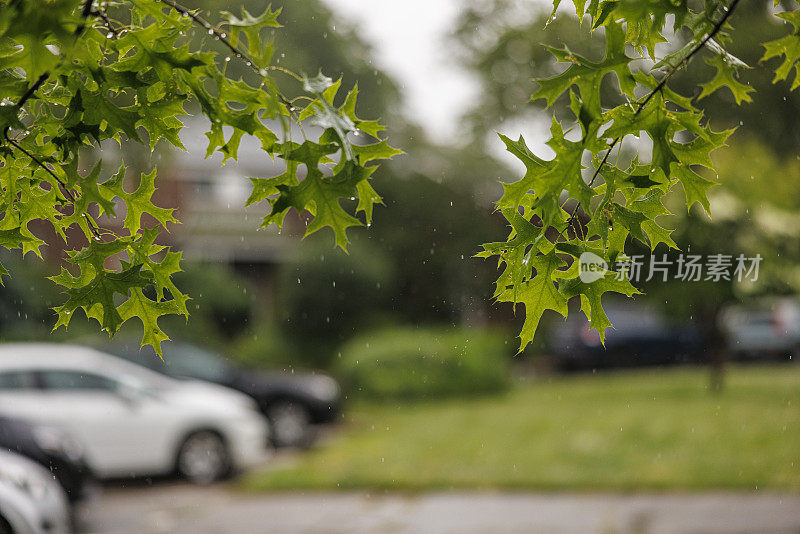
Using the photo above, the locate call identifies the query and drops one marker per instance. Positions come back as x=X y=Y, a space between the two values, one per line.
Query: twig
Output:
x=85 y=13
x=239 y=53
x=659 y=87
x=66 y=190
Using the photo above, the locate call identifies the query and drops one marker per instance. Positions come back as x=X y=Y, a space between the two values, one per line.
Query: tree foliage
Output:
x=76 y=74
x=590 y=198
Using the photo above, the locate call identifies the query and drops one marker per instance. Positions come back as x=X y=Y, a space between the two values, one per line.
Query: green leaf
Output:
x=148 y=311
x=725 y=78
x=140 y=202
x=787 y=47
x=587 y=75
x=514 y=254
x=591 y=296
x=321 y=197
x=251 y=27
x=694 y=186
x=100 y=291
x=537 y=295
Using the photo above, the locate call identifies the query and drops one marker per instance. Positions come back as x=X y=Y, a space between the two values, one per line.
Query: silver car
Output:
x=765 y=328
x=31 y=499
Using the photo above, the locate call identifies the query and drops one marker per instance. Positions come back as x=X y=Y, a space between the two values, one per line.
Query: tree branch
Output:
x=239 y=53
x=658 y=88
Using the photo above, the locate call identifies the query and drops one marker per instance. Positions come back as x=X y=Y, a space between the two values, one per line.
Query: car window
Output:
x=17 y=380
x=73 y=380
x=193 y=362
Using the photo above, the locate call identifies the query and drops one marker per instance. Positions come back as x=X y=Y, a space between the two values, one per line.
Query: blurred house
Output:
x=210 y=198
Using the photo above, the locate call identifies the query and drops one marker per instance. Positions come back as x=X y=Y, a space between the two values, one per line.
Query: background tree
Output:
x=505 y=53
x=76 y=74
x=605 y=114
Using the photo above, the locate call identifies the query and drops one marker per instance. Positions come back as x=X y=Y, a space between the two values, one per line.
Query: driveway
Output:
x=179 y=508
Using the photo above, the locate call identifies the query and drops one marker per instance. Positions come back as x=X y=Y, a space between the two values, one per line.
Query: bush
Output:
x=418 y=363
x=263 y=346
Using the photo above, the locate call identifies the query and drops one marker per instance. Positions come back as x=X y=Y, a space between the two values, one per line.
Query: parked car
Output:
x=293 y=403
x=52 y=448
x=130 y=420
x=31 y=500
x=765 y=328
x=640 y=337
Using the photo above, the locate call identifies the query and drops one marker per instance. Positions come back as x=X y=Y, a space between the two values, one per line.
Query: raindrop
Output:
x=223 y=35
x=263 y=72
x=248 y=64
x=109 y=35
x=211 y=31
x=298 y=280
x=227 y=58
x=352 y=198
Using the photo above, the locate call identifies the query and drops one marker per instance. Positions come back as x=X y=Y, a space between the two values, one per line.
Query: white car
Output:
x=31 y=499
x=130 y=420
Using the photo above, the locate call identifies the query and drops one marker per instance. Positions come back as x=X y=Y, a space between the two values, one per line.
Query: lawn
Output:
x=653 y=430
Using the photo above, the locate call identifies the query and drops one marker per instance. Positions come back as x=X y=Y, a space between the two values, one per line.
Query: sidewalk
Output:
x=187 y=509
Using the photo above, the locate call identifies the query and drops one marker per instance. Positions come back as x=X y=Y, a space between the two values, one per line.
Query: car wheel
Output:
x=290 y=424
x=203 y=458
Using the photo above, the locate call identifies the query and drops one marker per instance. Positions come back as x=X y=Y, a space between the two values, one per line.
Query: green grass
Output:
x=653 y=430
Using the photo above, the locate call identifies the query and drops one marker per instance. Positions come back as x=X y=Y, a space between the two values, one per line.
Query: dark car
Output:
x=294 y=403
x=54 y=450
x=640 y=337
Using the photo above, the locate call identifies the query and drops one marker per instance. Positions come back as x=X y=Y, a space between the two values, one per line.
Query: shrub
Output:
x=417 y=363
x=264 y=346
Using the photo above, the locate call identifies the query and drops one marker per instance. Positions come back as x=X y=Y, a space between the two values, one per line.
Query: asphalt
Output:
x=174 y=507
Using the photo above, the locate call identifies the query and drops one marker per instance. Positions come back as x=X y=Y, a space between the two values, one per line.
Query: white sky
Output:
x=409 y=39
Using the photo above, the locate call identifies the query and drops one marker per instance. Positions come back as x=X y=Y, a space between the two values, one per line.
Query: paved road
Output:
x=180 y=508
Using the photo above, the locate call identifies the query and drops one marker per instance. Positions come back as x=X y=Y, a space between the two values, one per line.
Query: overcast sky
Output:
x=409 y=39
